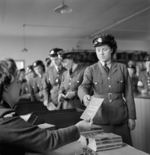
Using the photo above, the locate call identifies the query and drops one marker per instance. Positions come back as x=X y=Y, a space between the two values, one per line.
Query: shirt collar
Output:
x=108 y=63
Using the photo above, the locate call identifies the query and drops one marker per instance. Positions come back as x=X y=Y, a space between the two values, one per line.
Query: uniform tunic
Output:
x=115 y=87
x=70 y=83
x=37 y=88
x=18 y=137
x=144 y=77
x=52 y=84
x=25 y=91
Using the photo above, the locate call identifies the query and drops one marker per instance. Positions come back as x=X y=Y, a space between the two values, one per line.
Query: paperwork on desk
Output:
x=92 y=108
x=25 y=117
x=47 y=126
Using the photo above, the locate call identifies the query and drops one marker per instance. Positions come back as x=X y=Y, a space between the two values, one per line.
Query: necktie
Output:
x=106 y=67
x=70 y=71
x=59 y=69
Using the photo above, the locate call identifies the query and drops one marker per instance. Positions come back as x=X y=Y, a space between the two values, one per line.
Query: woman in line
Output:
x=71 y=80
x=144 y=78
x=18 y=137
x=110 y=80
x=26 y=87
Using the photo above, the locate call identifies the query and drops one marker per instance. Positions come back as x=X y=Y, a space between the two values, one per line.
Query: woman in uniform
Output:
x=71 y=80
x=134 y=78
x=144 y=78
x=110 y=80
x=26 y=87
x=38 y=86
x=18 y=137
x=53 y=79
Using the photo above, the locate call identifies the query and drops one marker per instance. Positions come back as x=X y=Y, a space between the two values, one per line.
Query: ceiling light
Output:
x=63 y=8
x=24 y=49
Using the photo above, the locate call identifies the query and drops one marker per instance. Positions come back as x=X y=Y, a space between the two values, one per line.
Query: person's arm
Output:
x=46 y=88
x=25 y=136
x=31 y=84
x=61 y=93
x=140 y=85
x=16 y=133
x=83 y=90
x=128 y=94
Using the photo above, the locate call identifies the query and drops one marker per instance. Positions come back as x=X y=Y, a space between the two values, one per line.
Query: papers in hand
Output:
x=92 y=108
x=47 y=126
x=51 y=106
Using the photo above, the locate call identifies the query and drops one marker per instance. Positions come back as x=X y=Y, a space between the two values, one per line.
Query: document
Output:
x=92 y=108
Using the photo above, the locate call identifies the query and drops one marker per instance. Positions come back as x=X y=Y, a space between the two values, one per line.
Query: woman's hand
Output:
x=131 y=124
x=61 y=98
x=84 y=125
x=70 y=95
x=86 y=100
x=144 y=91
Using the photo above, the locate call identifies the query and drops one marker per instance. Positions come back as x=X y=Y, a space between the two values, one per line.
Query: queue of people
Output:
x=66 y=83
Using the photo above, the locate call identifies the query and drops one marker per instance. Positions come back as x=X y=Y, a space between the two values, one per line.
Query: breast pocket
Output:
x=98 y=86
x=120 y=84
x=76 y=84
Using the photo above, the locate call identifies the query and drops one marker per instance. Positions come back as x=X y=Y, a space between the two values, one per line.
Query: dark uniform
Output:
x=144 y=77
x=53 y=78
x=37 y=90
x=134 y=78
x=38 y=85
x=115 y=87
x=25 y=93
x=18 y=137
x=71 y=82
x=52 y=84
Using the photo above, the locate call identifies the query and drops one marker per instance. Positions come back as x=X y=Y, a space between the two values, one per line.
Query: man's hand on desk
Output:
x=84 y=125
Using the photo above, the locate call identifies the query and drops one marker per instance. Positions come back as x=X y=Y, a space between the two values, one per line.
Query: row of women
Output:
x=76 y=85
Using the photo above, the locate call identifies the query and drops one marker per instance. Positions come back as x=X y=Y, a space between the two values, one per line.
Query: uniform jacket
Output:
x=52 y=84
x=117 y=82
x=71 y=82
x=144 y=77
x=37 y=88
x=18 y=137
x=25 y=90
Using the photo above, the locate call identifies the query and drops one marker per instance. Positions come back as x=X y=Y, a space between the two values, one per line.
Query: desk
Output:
x=76 y=148
x=141 y=134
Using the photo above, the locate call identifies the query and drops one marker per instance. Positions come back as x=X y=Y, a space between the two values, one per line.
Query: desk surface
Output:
x=76 y=148
x=144 y=96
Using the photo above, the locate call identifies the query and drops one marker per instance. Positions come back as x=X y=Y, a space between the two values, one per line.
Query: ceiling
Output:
x=126 y=19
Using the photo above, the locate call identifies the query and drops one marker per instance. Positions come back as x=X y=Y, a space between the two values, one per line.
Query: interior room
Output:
x=29 y=29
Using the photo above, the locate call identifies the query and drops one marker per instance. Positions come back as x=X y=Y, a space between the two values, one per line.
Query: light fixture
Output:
x=24 y=43
x=63 y=8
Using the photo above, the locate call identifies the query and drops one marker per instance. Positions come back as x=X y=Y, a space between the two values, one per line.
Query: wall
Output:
x=122 y=45
x=38 y=48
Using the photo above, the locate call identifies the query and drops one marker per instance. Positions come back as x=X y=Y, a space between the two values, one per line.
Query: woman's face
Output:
x=67 y=63
x=103 y=53
x=147 y=64
x=12 y=91
x=56 y=61
x=39 y=70
x=131 y=72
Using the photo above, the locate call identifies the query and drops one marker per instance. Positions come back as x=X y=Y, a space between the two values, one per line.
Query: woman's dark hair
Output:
x=8 y=70
x=70 y=55
x=39 y=63
x=106 y=39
